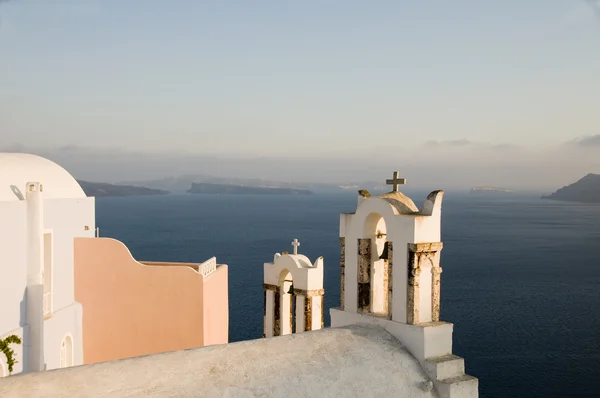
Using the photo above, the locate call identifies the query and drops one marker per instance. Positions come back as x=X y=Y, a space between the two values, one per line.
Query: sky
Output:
x=459 y=93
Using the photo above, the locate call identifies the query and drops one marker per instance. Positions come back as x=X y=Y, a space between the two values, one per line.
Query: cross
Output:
x=395 y=181
x=295 y=243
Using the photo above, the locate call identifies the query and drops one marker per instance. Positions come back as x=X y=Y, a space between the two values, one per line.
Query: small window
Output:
x=66 y=352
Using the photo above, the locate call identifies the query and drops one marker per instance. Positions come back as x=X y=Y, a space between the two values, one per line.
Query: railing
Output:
x=208 y=267
x=47 y=303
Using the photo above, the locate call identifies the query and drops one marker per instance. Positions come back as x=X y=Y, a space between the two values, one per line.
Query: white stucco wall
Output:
x=13 y=269
x=66 y=321
x=402 y=229
x=66 y=219
x=305 y=275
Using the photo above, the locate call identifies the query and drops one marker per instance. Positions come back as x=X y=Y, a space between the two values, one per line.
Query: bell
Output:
x=385 y=253
x=291 y=291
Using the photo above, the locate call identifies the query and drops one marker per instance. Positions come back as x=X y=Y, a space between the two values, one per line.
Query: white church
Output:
x=36 y=262
x=386 y=337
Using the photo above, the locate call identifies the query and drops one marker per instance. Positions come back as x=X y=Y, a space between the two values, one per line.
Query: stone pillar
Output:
x=277 y=313
x=342 y=271
x=389 y=278
x=34 y=337
x=269 y=309
x=286 y=317
x=364 y=275
x=436 y=271
x=313 y=316
x=418 y=254
x=300 y=312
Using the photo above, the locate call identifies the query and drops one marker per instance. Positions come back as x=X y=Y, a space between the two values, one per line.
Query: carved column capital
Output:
x=267 y=286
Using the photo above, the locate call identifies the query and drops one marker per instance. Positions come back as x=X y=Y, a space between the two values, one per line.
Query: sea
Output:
x=520 y=281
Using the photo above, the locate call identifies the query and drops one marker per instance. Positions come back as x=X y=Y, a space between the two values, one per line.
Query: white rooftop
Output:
x=354 y=361
x=17 y=169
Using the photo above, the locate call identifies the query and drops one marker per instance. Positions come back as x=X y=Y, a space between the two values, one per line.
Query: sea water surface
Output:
x=520 y=281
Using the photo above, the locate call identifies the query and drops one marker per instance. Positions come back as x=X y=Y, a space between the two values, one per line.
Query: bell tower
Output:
x=391 y=276
x=293 y=294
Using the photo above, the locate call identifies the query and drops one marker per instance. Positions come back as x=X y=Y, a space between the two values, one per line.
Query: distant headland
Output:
x=212 y=188
x=586 y=190
x=100 y=189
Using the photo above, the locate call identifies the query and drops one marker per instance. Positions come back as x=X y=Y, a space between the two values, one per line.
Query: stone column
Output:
x=269 y=309
x=436 y=271
x=364 y=275
x=34 y=335
x=277 y=313
x=313 y=309
x=342 y=271
x=417 y=254
x=300 y=311
x=388 y=278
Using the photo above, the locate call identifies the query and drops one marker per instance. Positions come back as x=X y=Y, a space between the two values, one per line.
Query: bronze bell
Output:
x=291 y=291
x=385 y=254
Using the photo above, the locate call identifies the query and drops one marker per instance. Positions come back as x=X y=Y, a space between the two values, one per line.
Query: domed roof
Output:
x=17 y=169
x=403 y=203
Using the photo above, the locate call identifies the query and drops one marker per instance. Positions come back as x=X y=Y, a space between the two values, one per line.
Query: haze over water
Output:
x=452 y=93
x=520 y=275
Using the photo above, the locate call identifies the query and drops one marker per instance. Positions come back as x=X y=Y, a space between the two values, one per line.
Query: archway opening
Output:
x=376 y=232
x=287 y=304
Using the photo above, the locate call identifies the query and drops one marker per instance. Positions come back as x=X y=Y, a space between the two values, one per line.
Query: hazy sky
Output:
x=466 y=87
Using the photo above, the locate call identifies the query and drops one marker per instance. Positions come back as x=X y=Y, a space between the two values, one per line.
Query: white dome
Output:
x=17 y=169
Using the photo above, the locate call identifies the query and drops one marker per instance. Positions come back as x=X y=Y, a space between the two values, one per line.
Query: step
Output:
x=464 y=386
x=445 y=367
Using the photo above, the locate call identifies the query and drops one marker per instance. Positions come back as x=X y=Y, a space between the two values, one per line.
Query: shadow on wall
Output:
x=23 y=324
x=17 y=192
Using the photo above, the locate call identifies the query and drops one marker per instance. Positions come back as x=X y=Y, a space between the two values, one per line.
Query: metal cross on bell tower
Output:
x=396 y=181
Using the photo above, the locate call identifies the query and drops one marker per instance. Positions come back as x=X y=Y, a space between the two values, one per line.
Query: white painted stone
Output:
x=208 y=267
x=295 y=270
x=394 y=217
x=37 y=229
x=358 y=361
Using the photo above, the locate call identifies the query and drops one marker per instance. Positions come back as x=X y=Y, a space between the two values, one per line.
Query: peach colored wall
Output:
x=132 y=309
x=216 y=307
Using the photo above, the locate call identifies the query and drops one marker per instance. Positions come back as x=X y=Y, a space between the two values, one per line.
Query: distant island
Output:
x=586 y=190
x=182 y=183
x=489 y=189
x=100 y=189
x=211 y=188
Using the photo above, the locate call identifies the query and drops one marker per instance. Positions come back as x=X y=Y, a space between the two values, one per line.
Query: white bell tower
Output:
x=390 y=276
x=293 y=294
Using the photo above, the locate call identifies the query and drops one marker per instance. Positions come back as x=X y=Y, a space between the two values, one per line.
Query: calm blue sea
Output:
x=521 y=278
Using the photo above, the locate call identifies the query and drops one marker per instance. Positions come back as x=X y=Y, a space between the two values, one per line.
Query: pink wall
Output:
x=132 y=309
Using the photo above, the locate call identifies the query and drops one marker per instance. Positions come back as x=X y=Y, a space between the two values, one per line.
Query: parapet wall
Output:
x=132 y=309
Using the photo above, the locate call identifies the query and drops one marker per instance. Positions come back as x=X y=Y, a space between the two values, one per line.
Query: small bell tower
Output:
x=391 y=276
x=293 y=294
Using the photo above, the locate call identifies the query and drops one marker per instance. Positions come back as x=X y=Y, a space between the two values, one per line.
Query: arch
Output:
x=375 y=231
x=293 y=295
x=67 y=354
x=376 y=222
x=373 y=266
x=286 y=302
